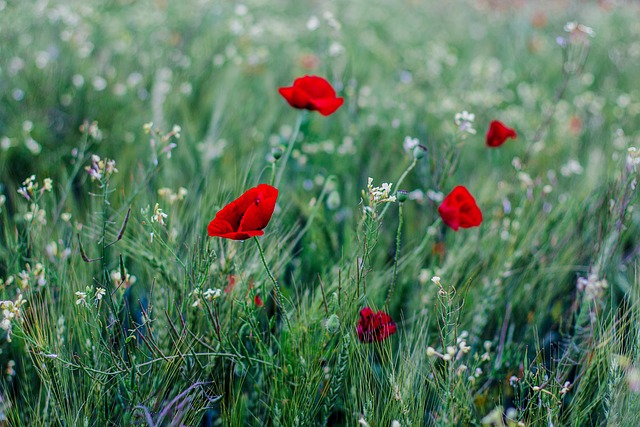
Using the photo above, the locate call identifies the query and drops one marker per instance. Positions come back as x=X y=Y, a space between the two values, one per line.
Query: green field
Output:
x=126 y=126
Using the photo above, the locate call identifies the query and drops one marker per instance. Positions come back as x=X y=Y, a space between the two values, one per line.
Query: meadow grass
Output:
x=140 y=120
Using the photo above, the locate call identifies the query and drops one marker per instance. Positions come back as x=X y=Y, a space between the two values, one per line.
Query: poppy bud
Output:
x=402 y=196
x=276 y=152
x=419 y=152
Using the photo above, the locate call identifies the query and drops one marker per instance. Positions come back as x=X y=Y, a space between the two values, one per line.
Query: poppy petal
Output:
x=459 y=209
x=246 y=216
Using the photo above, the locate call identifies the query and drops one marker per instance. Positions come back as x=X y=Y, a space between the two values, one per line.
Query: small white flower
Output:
x=436 y=280
x=158 y=216
x=47 y=184
x=81 y=298
x=100 y=292
x=176 y=131
x=211 y=294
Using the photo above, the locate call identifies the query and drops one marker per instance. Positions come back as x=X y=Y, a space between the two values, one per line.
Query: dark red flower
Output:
x=246 y=216
x=257 y=301
x=498 y=134
x=374 y=326
x=312 y=93
x=459 y=209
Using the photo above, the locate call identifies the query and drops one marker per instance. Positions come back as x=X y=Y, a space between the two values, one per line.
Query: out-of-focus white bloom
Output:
x=464 y=121
x=313 y=23
x=129 y=280
x=436 y=280
x=168 y=194
x=335 y=49
x=47 y=184
x=633 y=158
x=435 y=196
x=410 y=143
x=592 y=286
x=575 y=28
x=572 y=167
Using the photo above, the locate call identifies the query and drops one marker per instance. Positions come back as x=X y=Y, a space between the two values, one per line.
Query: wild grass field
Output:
x=345 y=297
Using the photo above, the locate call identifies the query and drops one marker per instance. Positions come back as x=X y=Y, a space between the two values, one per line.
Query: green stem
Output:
x=397 y=255
x=397 y=184
x=273 y=280
x=292 y=141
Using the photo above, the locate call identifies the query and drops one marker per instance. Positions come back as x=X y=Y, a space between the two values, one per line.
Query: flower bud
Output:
x=276 y=152
x=419 y=152
x=402 y=196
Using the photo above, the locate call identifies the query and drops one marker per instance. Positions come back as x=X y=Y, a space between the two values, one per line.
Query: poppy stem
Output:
x=397 y=255
x=292 y=140
x=397 y=184
x=273 y=280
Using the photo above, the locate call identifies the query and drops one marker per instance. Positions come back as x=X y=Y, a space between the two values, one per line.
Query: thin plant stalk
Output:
x=398 y=183
x=397 y=255
x=274 y=281
x=292 y=141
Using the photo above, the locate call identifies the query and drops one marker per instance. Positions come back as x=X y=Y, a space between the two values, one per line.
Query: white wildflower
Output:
x=464 y=121
x=47 y=184
x=211 y=294
x=380 y=194
x=81 y=298
x=158 y=216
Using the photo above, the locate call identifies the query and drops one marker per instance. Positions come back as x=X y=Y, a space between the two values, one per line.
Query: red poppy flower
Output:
x=459 y=209
x=498 y=134
x=374 y=326
x=312 y=93
x=246 y=216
